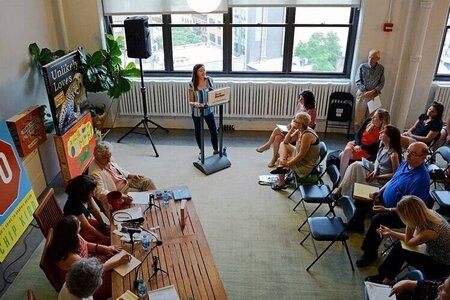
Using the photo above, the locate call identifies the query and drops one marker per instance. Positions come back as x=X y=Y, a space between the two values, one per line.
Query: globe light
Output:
x=203 y=6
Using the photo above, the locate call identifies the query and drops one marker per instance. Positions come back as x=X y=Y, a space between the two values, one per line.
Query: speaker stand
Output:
x=145 y=119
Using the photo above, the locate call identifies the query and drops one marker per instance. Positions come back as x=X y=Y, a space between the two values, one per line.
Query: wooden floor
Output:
x=184 y=254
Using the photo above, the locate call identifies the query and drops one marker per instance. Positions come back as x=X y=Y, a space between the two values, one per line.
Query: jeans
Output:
x=212 y=130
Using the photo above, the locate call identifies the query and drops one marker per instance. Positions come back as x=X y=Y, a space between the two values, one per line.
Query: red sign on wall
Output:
x=9 y=176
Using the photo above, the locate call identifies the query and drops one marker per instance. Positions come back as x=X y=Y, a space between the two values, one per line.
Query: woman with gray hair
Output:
x=111 y=177
x=82 y=280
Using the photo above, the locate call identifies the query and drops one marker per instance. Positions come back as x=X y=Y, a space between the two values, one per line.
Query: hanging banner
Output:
x=17 y=199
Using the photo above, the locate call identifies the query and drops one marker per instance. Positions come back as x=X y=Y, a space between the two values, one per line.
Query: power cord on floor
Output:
x=9 y=279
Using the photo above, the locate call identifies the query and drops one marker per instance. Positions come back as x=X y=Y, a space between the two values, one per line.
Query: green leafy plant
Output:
x=102 y=70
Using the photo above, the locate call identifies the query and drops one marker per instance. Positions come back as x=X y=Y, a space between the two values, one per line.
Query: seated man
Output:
x=83 y=278
x=411 y=178
x=111 y=177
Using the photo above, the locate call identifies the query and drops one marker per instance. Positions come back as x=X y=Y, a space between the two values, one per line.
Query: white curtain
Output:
x=133 y=7
x=143 y=7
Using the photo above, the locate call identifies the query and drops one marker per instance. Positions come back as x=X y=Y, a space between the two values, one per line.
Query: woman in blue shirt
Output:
x=199 y=87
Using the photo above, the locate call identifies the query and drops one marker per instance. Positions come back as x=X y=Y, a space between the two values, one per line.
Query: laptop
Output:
x=218 y=96
x=368 y=165
x=181 y=193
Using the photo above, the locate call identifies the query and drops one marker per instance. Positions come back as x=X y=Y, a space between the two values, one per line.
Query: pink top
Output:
x=311 y=112
x=119 y=180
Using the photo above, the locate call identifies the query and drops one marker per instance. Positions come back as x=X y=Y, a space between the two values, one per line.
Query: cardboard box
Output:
x=75 y=148
x=27 y=129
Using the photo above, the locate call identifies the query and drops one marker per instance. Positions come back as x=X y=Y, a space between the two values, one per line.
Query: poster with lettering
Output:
x=66 y=94
x=17 y=201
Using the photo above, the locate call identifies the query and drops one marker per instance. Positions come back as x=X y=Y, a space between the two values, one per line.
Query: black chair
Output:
x=437 y=173
x=316 y=171
x=319 y=193
x=442 y=198
x=331 y=229
x=340 y=110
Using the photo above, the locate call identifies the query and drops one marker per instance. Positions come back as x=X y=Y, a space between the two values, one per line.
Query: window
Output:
x=443 y=68
x=293 y=41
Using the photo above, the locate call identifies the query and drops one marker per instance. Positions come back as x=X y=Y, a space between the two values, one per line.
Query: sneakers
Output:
x=366 y=259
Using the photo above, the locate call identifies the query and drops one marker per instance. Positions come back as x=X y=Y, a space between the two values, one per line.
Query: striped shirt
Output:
x=368 y=78
x=201 y=96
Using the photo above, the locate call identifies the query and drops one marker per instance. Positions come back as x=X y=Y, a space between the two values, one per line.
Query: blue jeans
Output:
x=212 y=130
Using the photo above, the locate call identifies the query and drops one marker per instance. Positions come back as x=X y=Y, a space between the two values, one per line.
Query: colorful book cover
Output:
x=65 y=90
x=75 y=148
x=17 y=201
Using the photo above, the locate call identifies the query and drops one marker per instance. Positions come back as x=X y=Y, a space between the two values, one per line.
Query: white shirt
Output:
x=64 y=294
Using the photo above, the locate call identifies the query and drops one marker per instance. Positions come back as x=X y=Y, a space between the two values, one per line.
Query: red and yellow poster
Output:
x=17 y=200
x=75 y=148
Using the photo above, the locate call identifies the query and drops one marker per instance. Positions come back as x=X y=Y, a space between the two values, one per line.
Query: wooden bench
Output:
x=184 y=254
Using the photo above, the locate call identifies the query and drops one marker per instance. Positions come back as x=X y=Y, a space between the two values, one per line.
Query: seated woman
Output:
x=306 y=103
x=82 y=280
x=81 y=190
x=366 y=139
x=427 y=127
x=444 y=139
x=303 y=157
x=422 y=290
x=423 y=225
x=67 y=247
x=388 y=158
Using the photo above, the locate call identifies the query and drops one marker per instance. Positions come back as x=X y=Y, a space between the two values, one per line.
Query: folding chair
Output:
x=319 y=193
x=49 y=268
x=331 y=229
x=316 y=171
x=441 y=197
x=48 y=212
x=340 y=110
x=439 y=174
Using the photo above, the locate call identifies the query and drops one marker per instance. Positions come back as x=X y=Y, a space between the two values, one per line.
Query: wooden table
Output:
x=184 y=254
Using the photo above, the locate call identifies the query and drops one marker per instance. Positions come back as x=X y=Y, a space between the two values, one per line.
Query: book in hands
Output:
x=367 y=164
x=283 y=128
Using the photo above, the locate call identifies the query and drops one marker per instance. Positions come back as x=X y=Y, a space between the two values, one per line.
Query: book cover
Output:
x=18 y=201
x=27 y=130
x=75 y=149
x=65 y=90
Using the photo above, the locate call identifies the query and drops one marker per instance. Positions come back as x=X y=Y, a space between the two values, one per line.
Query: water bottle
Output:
x=145 y=242
x=165 y=198
x=142 y=290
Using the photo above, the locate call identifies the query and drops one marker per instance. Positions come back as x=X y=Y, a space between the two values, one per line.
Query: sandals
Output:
x=280 y=170
x=262 y=148
x=277 y=187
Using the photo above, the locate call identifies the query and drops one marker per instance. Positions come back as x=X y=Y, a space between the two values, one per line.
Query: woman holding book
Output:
x=303 y=157
x=388 y=158
x=306 y=102
x=423 y=226
x=366 y=139
x=67 y=247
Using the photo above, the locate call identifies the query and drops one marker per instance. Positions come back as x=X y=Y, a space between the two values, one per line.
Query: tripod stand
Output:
x=151 y=203
x=156 y=268
x=145 y=119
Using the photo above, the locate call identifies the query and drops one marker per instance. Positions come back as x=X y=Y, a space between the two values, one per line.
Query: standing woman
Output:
x=199 y=87
x=306 y=102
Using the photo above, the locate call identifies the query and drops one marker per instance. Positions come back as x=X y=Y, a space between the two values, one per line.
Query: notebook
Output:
x=219 y=96
x=181 y=193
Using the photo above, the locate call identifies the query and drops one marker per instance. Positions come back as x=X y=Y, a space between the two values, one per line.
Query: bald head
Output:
x=416 y=154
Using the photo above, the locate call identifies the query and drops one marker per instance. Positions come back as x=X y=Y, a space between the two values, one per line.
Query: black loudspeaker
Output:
x=137 y=35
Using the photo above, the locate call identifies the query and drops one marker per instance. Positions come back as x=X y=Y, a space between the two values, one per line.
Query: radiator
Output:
x=261 y=100
x=442 y=95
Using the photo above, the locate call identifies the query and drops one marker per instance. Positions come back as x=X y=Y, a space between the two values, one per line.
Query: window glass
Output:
x=259 y=15
x=197 y=19
x=193 y=45
x=319 y=49
x=152 y=19
x=444 y=62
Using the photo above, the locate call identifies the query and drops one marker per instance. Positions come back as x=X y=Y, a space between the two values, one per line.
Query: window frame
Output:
x=227 y=25
x=437 y=76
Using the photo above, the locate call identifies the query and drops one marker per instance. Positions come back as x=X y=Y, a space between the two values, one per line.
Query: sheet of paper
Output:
x=165 y=293
x=124 y=215
x=125 y=268
x=139 y=197
x=362 y=191
x=374 y=104
x=283 y=128
x=377 y=291
x=422 y=248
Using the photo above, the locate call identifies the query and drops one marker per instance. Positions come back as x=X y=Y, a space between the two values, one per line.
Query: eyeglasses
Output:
x=414 y=154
